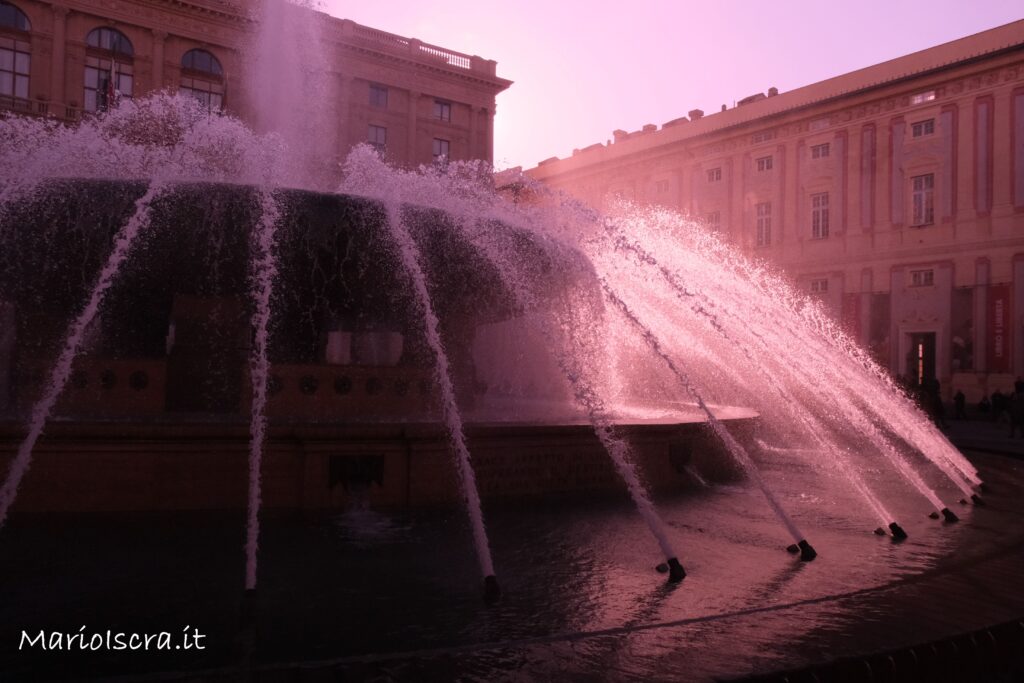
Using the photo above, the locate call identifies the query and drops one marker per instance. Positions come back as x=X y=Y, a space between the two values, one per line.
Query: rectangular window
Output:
x=764 y=164
x=923 y=128
x=819 y=286
x=819 y=215
x=378 y=137
x=924 y=199
x=764 y=224
x=821 y=151
x=763 y=136
x=378 y=96
x=442 y=110
x=14 y=67
x=98 y=86
x=714 y=220
x=714 y=175
x=922 y=278
x=441 y=149
x=662 y=187
x=922 y=97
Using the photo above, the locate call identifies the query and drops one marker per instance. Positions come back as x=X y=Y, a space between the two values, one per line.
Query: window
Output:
x=819 y=286
x=821 y=151
x=819 y=215
x=442 y=110
x=714 y=220
x=763 y=136
x=109 y=70
x=203 y=78
x=441 y=149
x=662 y=187
x=110 y=40
x=922 y=128
x=922 y=278
x=378 y=96
x=378 y=137
x=764 y=224
x=764 y=164
x=924 y=199
x=15 y=53
x=714 y=175
x=13 y=18
x=15 y=61
x=922 y=97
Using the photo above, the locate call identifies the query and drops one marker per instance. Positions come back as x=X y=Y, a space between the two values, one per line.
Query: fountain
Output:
x=172 y=277
x=567 y=285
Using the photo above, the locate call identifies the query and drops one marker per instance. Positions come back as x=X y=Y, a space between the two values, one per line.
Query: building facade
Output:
x=417 y=102
x=894 y=193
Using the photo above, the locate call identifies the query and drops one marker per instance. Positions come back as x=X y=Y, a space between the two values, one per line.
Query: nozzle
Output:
x=933 y=514
x=880 y=531
x=807 y=553
x=977 y=499
x=898 y=534
x=492 y=591
x=949 y=515
x=676 y=573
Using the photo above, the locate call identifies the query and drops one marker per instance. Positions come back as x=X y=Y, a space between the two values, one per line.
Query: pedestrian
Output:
x=1016 y=410
x=998 y=405
x=984 y=405
x=960 y=403
x=938 y=407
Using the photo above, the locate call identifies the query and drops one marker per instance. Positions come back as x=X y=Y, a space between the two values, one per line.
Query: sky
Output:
x=582 y=69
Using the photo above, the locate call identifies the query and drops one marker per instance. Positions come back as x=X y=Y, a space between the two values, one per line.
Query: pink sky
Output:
x=582 y=70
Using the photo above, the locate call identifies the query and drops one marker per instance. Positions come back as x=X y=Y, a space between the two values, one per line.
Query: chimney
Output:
x=773 y=91
x=695 y=114
x=650 y=128
x=619 y=135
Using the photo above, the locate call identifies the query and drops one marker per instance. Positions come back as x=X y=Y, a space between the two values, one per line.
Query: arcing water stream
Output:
x=611 y=324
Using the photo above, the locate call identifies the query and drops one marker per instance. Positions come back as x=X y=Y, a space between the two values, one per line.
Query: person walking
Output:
x=1016 y=409
x=960 y=405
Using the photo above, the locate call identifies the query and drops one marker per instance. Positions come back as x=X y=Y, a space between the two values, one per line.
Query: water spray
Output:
x=801 y=545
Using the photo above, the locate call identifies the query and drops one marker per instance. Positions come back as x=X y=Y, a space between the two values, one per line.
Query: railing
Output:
x=379 y=37
x=55 y=110
x=451 y=58
x=382 y=40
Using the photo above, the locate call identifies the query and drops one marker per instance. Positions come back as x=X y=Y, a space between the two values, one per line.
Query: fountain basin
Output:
x=199 y=464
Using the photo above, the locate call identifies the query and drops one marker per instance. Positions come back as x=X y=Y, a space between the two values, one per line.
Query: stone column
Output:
x=158 y=58
x=489 y=132
x=473 y=143
x=982 y=272
x=347 y=134
x=57 y=90
x=410 y=153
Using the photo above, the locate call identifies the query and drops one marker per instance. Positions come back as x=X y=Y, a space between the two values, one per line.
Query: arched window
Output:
x=109 y=71
x=15 y=55
x=203 y=78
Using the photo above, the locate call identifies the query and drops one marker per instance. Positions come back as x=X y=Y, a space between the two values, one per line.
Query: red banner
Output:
x=851 y=315
x=998 y=352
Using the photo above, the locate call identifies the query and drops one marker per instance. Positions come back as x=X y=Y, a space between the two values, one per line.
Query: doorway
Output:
x=921 y=358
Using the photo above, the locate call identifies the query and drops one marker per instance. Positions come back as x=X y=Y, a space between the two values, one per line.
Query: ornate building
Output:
x=894 y=193
x=417 y=101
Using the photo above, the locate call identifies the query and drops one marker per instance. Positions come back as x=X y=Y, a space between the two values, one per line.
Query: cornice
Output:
x=461 y=75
